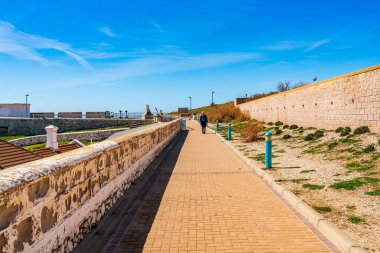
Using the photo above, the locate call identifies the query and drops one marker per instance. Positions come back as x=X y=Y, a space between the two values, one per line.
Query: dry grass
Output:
x=225 y=113
x=251 y=131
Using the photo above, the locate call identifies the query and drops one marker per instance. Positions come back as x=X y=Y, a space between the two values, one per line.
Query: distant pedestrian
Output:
x=203 y=120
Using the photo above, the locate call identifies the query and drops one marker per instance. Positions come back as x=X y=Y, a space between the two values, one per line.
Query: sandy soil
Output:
x=324 y=166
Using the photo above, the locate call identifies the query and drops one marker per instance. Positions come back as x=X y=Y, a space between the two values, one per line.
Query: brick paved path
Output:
x=205 y=199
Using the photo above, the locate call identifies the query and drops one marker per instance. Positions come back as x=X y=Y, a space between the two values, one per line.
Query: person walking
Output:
x=203 y=120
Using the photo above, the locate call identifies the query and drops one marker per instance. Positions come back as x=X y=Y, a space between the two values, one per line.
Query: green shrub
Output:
x=378 y=142
x=355 y=219
x=338 y=130
x=373 y=193
x=276 y=128
x=278 y=123
x=313 y=186
x=322 y=209
x=286 y=136
x=361 y=130
x=270 y=123
x=345 y=131
x=332 y=145
x=300 y=128
x=370 y=148
x=309 y=137
x=285 y=126
x=278 y=131
x=318 y=134
x=293 y=127
x=354 y=183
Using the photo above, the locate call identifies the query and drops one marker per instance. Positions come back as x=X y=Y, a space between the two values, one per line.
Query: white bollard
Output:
x=51 y=137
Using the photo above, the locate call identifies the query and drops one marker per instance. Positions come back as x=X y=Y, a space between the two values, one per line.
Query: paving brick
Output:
x=205 y=199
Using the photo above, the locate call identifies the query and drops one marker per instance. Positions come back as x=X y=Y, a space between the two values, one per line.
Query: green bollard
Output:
x=229 y=132
x=217 y=126
x=268 y=150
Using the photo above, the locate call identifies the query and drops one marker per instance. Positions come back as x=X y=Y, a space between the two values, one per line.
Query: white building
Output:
x=15 y=110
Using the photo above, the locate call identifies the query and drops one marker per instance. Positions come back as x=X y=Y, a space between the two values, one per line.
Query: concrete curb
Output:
x=328 y=229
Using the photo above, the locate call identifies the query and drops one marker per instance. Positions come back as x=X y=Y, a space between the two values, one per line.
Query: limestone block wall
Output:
x=81 y=136
x=349 y=100
x=50 y=204
x=27 y=126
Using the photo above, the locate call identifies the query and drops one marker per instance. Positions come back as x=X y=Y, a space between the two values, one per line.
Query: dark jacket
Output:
x=203 y=119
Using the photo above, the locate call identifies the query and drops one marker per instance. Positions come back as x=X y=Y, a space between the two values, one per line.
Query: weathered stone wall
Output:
x=25 y=126
x=50 y=204
x=349 y=100
x=81 y=136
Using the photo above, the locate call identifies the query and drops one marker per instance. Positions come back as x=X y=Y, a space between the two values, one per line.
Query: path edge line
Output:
x=337 y=237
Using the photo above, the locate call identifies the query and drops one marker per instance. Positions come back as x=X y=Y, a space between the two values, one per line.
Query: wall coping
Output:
x=21 y=174
x=358 y=72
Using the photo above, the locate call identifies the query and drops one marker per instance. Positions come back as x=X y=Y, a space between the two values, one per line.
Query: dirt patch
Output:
x=339 y=176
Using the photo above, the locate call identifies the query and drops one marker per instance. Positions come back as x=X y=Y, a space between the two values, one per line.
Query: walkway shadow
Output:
x=141 y=216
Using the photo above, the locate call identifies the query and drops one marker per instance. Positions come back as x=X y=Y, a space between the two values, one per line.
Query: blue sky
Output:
x=110 y=55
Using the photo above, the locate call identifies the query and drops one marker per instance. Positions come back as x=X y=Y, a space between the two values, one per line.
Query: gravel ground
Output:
x=353 y=211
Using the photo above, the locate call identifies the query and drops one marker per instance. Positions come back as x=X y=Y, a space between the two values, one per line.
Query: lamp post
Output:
x=212 y=98
x=126 y=114
x=26 y=105
x=190 y=105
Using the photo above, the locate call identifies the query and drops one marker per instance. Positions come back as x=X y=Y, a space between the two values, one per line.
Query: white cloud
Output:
x=294 y=45
x=156 y=25
x=107 y=31
x=151 y=64
x=26 y=46
x=317 y=44
x=284 y=46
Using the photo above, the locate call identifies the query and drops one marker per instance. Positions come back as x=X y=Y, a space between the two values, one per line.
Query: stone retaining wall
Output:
x=26 y=126
x=349 y=100
x=50 y=204
x=81 y=136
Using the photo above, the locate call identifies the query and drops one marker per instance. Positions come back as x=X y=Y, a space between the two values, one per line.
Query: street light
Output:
x=190 y=105
x=212 y=98
x=26 y=105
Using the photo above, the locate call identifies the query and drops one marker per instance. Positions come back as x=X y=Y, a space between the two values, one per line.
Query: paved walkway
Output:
x=205 y=199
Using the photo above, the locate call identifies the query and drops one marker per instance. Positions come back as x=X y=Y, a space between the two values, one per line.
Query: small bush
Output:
x=373 y=193
x=286 y=136
x=298 y=180
x=378 y=142
x=300 y=128
x=354 y=183
x=276 y=128
x=309 y=137
x=318 y=134
x=250 y=132
x=355 y=219
x=345 y=131
x=278 y=123
x=285 y=126
x=313 y=186
x=270 y=123
x=370 y=148
x=322 y=209
x=293 y=127
x=278 y=131
x=338 y=130
x=361 y=130
x=332 y=145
